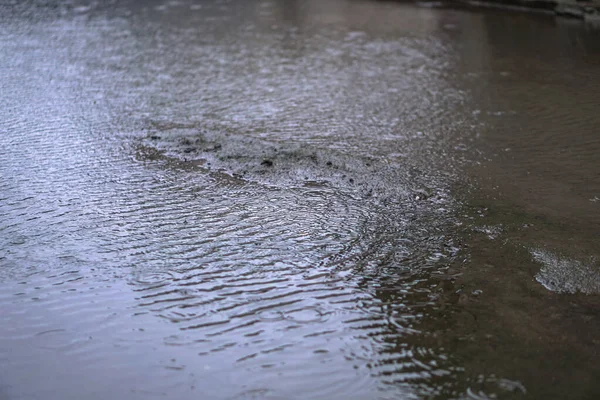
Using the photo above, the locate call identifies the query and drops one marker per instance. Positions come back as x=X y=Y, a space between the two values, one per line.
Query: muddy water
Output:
x=311 y=200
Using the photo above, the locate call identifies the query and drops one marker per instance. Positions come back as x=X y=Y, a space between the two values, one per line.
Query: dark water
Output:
x=297 y=200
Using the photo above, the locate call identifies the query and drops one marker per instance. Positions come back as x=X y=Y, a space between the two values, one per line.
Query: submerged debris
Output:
x=564 y=275
x=279 y=163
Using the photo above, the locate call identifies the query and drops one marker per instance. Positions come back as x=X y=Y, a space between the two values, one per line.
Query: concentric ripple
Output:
x=241 y=253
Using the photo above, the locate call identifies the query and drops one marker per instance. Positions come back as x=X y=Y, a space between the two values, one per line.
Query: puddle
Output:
x=322 y=199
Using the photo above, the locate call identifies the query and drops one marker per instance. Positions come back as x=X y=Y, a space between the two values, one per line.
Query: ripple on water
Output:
x=279 y=242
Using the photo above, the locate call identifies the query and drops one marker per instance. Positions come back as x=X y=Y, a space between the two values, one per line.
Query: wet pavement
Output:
x=297 y=200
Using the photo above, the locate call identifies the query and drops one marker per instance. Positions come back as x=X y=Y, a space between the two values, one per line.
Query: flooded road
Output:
x=297 y=200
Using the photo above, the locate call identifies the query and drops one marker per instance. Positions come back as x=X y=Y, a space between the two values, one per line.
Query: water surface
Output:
x=311 y=200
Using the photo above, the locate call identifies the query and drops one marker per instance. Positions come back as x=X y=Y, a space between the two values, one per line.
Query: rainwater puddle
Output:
x=296 y=200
